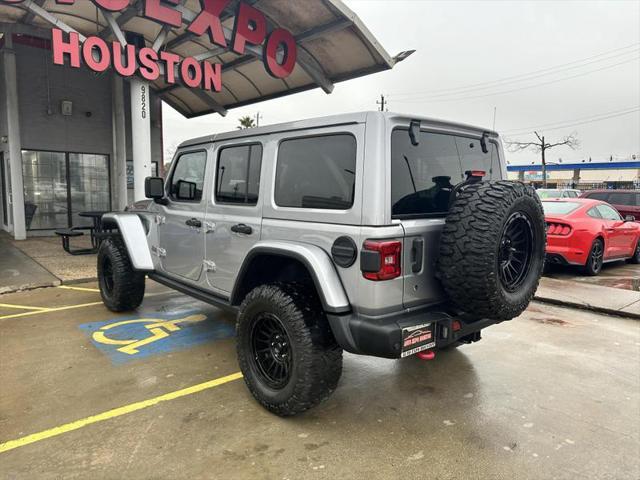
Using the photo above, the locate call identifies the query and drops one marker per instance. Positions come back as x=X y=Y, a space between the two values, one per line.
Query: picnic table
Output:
x=96 y=231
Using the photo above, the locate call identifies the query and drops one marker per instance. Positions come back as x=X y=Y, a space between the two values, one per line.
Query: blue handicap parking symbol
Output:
x=126 y=339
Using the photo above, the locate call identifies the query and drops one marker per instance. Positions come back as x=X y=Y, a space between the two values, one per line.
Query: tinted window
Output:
x=572 y=194
x=316 y=172
x=423 y=175
x=188 y=175
x=593 y=212
x=621 y=198
x=608 y=212
x=559 y=208
x=598 y=196
x=238 y=176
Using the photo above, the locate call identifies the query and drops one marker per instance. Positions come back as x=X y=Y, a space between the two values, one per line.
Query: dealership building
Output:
x=82 y=82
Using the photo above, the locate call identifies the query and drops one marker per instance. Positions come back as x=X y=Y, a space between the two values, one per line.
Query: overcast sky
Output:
x=462 y=44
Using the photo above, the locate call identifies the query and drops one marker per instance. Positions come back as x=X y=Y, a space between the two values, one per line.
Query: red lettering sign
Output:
x=155 y=10
x=149 y=68
x=250 y=26
x=170 y=60
x=280 y=38
x=209 y=21
x=117 y=59
x=102 y=58
x=62 y=48
x=111 y=5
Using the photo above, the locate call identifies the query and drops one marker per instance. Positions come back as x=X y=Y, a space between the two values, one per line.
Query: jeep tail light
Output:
x=380 y=260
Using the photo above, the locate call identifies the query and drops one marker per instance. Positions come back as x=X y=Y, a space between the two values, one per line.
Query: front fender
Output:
x=134 y=236
x=316 y=260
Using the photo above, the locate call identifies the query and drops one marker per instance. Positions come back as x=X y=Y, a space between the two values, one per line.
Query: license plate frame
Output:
x=417 y=338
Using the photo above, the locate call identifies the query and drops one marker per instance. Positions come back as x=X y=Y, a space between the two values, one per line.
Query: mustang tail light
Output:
x=381 y=259
x=554 y=228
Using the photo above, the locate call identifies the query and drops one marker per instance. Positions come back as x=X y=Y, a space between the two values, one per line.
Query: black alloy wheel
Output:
x=516 y=250
x=596 y=258
x=272 y=355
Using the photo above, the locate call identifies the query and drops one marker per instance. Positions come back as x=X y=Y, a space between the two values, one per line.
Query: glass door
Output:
x=88 y=185
x=45 y=190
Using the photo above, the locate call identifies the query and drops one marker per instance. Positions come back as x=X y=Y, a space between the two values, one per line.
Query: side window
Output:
x=599 y=196
x=593 y=212
x=608 y=213
x=316 y=172
x=238 y=174
x=472 y=157
x=573 y=194
x=621 y=198
x=423 y=175
x=187 y=180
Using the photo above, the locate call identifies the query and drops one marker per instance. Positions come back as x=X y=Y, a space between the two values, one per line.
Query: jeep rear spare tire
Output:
x=492 y=249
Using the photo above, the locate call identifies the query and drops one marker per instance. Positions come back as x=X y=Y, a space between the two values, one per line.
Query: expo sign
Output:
x=279 y=50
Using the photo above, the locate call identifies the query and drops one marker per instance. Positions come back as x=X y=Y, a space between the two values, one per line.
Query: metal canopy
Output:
x=333 y=45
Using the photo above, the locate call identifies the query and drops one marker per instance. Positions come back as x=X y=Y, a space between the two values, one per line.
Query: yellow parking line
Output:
x=22 y=307
x=68 y=307
x=80 y=289
x=116 y=412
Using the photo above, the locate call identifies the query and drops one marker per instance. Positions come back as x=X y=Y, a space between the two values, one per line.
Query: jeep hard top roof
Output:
x=334 y=120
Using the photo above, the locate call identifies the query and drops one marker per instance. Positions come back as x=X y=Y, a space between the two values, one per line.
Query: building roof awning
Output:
x=332 y=44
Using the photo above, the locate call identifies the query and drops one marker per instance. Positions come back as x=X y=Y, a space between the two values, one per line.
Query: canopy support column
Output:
x=140 y=135
x=119 y=167
x=15 y=145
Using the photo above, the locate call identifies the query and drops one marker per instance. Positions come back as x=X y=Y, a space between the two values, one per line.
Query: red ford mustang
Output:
x=589 y=232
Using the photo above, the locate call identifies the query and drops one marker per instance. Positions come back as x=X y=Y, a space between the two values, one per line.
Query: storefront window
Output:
x=58 y=186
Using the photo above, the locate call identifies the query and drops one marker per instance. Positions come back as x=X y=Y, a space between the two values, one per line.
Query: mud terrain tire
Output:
x=121 y=287
x=293 y=319
x=492 y=249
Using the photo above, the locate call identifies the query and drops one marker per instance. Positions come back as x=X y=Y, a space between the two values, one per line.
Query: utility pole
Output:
x=382 y=102
x=258 y=117
x=544 y=163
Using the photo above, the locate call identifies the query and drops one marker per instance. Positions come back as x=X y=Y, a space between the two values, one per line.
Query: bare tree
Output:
x=542 y=146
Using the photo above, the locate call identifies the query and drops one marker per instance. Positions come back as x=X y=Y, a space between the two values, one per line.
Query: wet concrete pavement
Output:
x=552 y=394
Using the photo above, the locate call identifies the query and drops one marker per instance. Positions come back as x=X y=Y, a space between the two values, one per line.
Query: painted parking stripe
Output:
x=21 y=307
x=69 y=307
x=116 y=412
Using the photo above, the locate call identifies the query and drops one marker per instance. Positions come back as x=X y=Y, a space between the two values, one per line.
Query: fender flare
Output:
x=134 y=236
x=325 y=277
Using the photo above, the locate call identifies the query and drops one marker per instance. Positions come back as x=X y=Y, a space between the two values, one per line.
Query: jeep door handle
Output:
x=242 y=228
x=194 y=222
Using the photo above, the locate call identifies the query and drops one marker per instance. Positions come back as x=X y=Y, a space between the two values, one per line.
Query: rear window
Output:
x=549 y=193
x=598 y=196
x=316 y=172
x=423 y=175
x=559 y=208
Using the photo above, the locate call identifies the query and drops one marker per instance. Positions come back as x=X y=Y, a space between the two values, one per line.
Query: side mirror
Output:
x=154 y=189
x=629 y=218
x=186 y=190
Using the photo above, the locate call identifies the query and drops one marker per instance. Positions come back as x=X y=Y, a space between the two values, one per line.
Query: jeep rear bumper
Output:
x=383 y=336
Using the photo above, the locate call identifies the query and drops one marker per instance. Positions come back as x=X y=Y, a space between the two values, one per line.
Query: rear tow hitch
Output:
x=428 y=355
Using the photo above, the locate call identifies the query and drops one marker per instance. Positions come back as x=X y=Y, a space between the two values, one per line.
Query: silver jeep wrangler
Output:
x=375 y=233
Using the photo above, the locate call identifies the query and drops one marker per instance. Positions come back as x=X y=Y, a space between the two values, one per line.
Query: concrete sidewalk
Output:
x=20 y=272
x=597 y=298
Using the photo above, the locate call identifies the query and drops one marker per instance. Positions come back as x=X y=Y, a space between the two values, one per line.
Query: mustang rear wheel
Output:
x=492 y=249
x=596 y=258
x=286 y=350
x=636 y=254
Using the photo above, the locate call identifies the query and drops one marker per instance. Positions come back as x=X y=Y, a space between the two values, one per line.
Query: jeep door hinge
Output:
x=161 y=219
x=159 y=252
x=209 y=266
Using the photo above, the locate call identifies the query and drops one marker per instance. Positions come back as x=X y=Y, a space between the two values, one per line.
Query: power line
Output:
x=454 y=99
x=560 y=67
x=558 y=127
x=588 y=117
